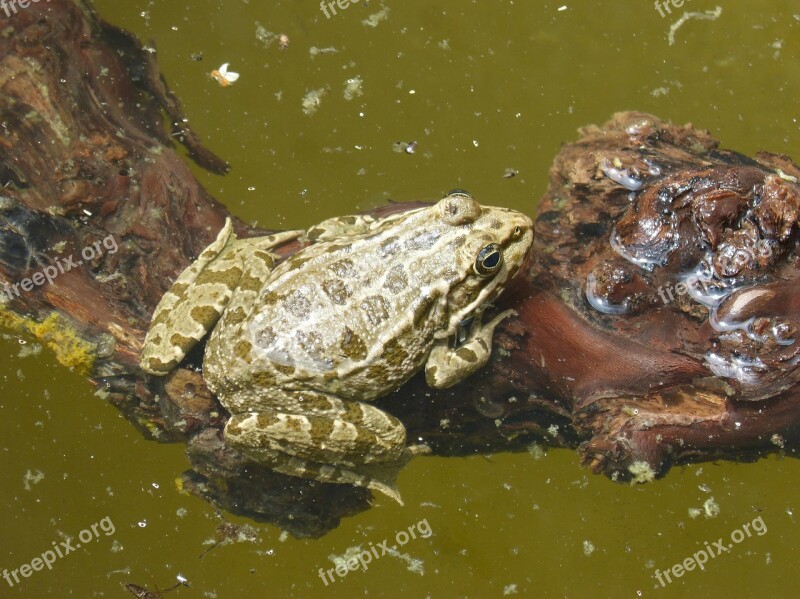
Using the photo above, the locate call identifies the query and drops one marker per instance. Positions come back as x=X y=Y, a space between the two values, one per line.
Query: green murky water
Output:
x=482 y=87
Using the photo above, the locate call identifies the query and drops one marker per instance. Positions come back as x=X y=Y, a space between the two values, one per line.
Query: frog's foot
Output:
x=447 y=366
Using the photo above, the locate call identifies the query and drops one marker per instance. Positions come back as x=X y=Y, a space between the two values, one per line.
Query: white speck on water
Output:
x=588 y=548
x=510 y=589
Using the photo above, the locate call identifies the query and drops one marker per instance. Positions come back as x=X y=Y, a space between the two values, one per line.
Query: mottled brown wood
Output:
x=84 y=154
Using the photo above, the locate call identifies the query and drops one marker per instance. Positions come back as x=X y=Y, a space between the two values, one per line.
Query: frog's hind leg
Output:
x=196 y=300
x=175 y=328
x=326 y=439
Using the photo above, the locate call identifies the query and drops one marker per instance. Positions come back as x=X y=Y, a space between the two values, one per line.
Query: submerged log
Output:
x=656 y=320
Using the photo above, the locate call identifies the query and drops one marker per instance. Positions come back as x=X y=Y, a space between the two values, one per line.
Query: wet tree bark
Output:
x=609 y=355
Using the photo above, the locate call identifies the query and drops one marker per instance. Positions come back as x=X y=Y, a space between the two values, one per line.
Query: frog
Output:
x=297 y=349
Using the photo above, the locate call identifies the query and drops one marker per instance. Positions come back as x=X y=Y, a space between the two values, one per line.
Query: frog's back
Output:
x=363 y=309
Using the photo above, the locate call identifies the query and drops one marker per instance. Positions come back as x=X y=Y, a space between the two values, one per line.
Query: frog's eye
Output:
x=489 y=260
x=517 y=233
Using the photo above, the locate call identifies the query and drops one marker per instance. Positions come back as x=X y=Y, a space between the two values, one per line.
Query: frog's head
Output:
x=490 y=244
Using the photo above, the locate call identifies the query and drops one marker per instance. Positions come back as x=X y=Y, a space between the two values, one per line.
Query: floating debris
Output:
x=312 y=100
x=283 y=41
x=197 y=56
x=404 y=146
x=711 y=508
x=267 y=38
x=510 y=173
x=223 y=76
x=374 y=19
x=353 y=88
x=313 y=51
x=141 y=592
x=32 y=478
x=228 y=532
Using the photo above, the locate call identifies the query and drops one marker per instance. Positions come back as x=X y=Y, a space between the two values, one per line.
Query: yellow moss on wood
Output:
x=56 y=333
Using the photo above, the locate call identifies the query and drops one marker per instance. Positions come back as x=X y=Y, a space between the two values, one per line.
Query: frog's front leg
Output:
x=332 y=441
x=447 y=366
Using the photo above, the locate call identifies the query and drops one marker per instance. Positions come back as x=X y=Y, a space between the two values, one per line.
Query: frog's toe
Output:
x=387 y=490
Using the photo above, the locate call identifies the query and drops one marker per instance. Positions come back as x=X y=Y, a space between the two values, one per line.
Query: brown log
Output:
x=636 y=386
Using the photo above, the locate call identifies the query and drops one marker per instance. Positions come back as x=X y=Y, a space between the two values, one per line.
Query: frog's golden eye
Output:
x=489 y=260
